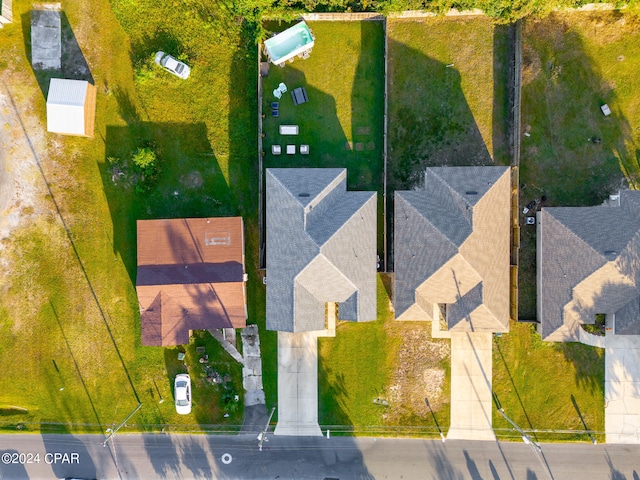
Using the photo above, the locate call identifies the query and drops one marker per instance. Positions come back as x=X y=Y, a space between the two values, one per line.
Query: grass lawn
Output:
x=535 y=382
x=572 y=64
x=447 y=83
x=79 y=357
x=343 y=120
x=385 y=359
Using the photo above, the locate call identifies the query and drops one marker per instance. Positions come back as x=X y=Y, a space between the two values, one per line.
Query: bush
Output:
x=145 y=159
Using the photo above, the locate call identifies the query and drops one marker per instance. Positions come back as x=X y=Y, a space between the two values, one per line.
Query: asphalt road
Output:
x=200 y=456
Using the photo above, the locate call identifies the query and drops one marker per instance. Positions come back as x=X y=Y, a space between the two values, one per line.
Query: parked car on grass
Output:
x=182 y=393
x=172 y=65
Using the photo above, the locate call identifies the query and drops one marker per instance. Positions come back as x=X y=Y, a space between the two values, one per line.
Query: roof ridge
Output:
x=426 y=219
x=546 y=210
x=322 y=194
x=321 y=256
x=344 y=224
x=449 y=186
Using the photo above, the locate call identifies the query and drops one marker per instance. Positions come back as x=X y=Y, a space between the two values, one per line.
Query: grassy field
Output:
x=343 y=120
x=447 y=96
x=537 y=383
x=68 y=312
x=393 y=361
x=572 y=64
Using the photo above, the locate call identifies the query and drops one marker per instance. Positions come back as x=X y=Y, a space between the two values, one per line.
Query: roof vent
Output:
x=471 y=192
x=610 y=254
x=304 y=195
x=217 y=238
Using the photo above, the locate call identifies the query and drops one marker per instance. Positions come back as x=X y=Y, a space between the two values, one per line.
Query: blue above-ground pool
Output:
x=286 y=45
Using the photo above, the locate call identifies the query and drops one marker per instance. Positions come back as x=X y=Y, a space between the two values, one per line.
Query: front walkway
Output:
x=622 y=388
x=471 y=393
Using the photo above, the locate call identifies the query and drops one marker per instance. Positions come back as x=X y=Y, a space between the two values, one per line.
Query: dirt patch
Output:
x=419 y=374
x=20 y=182
x=531 y=64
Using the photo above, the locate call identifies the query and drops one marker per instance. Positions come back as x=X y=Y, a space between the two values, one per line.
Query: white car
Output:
x=182 y=393
x=172 y=65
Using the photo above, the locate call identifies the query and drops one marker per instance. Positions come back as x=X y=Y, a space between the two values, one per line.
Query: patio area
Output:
x=313 y=118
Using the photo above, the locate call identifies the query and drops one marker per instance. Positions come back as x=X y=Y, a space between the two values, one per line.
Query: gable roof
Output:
x=321 y=247
x=190 y=277
x=588 y=264
x=451 y=246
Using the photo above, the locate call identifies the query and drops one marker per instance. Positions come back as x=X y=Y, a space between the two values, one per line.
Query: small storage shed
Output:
x=71 y=107
x=6 y=14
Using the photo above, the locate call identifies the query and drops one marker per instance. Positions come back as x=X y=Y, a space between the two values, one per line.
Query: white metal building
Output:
x=71 y=107
x=6 y=14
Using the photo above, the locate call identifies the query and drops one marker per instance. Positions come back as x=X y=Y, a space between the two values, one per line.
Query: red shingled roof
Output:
x=190 y=277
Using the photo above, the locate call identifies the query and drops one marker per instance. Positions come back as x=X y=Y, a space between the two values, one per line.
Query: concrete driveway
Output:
x=471 y=393
x=298 y=384
x=622 y=388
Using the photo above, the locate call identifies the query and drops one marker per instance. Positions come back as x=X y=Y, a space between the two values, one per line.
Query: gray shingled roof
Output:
x=588 y=263
x=321 y=247
x=451 y=246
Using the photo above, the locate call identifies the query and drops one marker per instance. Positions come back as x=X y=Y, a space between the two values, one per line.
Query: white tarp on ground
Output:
x=65 y=106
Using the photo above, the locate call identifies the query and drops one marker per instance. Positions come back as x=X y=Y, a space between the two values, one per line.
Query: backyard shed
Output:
x=6 y=14
x=71 y=107
x=294 y=41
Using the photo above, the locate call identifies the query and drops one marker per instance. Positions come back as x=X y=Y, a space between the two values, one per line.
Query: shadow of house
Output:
x=15 y=471
x=426 y=132
x=243 y=127
x=52 y=48
x=318 y=123
x=72 y=457
x=367 y=117
x=503 y=92
x=167 y=464
x=189 y=181
x=556 y=66
x=425 y=129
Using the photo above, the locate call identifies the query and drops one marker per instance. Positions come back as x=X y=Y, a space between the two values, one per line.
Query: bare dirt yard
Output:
x=420 y=374
x=20 y=182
